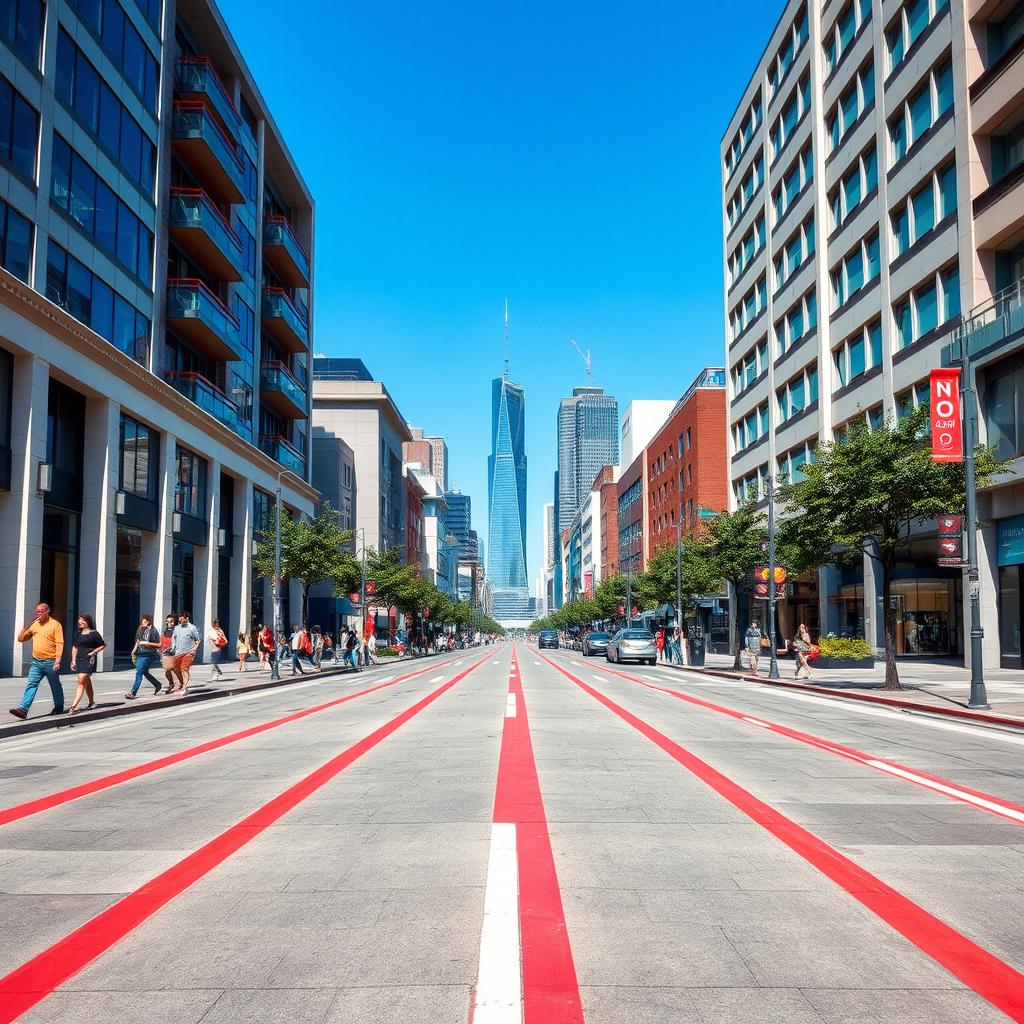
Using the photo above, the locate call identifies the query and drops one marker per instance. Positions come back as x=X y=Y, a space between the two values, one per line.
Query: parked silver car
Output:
x=632 y=645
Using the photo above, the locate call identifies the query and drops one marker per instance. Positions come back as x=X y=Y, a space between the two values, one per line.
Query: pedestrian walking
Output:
x=327 y=651
x=752 y=639
x=659 y=643
x=675 y=650
x=243 y=651
x=184 y=643
x=85 y=647
x=166 y=658
x=283 y=649
x=218 y=642
x=265 y=646
x=801 y=645
x=144 y=653
x=295 y=646
x=371 y=649
x=318 y=647
x=351 y=643
x=47 y=649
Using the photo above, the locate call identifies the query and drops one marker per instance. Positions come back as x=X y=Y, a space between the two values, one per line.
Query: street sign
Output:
x=371 y=587
x=761 y=573
x=946 y=423
x=761 y=591
x=951 y=529
x=952 y=563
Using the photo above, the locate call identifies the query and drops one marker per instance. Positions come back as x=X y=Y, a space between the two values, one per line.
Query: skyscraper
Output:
x=506 y=498
x=588 y=438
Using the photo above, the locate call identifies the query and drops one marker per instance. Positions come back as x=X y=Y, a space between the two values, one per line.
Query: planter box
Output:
x=841 y=663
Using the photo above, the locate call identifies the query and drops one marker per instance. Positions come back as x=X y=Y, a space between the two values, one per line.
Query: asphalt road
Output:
x=510 y=836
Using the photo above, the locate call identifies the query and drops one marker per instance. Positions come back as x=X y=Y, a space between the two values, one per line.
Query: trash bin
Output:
x=697 y=647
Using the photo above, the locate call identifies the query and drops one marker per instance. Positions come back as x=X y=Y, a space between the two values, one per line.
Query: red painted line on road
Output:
x=34 y=980
x=980 y=970
x=551 y=992
x=1001 y=808
x=63 y=796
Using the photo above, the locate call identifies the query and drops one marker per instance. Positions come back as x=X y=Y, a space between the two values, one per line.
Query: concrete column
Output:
x=874 y=619
x=988 y=574
x=207 y=558
x=98 y=546
x=829 y=581
x=158 y=548
x=241 y=560
x=21 y=511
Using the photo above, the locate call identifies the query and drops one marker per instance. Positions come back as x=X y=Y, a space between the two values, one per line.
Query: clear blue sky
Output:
x=562 y=154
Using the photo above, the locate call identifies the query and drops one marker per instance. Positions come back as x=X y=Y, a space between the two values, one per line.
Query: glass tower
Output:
x=588 y=438
x=506 y=498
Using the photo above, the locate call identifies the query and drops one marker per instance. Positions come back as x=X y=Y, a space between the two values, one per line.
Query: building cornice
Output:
x=65 y=328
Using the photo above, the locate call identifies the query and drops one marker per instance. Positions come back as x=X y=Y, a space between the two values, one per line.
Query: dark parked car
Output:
x=547 y=638
x=595 y=643
x=632 y=645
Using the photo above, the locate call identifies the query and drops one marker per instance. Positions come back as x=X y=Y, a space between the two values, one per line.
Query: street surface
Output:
x=508 y=835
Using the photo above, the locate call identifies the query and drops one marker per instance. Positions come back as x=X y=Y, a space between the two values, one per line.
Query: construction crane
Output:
x=586 y=359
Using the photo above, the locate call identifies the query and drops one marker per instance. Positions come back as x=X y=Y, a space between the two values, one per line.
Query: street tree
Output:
x=869 y=490
x=696 y=574
x=313 y=551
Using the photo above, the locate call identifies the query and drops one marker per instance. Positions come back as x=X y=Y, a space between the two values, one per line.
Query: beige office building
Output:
x=873 y=197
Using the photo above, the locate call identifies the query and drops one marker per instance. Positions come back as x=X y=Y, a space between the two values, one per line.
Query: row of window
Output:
x=859 y=353
x=90 y=300
x=858 y=268
x=801 y=318
x=753 y=486
x=786 y=54
x=916 y=215
x=752 y=305
x=19 y=130
x=794 y=181
x=797 y=394
x=124 y=46
x=836 y=41
x=798 y=105
x=630 y=496
x=630 y=535
x=798 y=248
x=1004 y=33
x=752 y=243
x=740 y=141
x=139 y=458
x=749 y=430
x=80 y=87
x=855 y=99
x=15 y=242
x=77 y=189
x=855 y=184
x=791 y=464
x=931 y=303
x=21 y=25
x=910 y=21
x=745 y=373
x=745 y=191
x=921 y=110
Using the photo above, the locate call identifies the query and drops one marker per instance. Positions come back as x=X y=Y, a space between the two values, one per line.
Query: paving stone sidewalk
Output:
x=936 y=686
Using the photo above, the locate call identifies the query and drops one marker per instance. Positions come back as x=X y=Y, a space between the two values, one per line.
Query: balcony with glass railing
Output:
x=235 y=414
x=284 y=453
x=989 y=326
x=283 y=321
x=282 y=251
x=195 y=79
x=203 y=233
x=201 y=143
x=195 y=313
x=281 y=390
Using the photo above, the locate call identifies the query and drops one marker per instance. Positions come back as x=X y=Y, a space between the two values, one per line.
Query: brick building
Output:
x=605 y=483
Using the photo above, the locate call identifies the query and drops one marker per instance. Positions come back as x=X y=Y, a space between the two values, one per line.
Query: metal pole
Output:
x=979 y=697
x=275 y=668
x=679 y=583
x=629 y=595
x=773 y=662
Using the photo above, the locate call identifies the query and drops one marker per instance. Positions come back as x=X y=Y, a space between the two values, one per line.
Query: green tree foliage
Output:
x=313 y=551
x=868 y=491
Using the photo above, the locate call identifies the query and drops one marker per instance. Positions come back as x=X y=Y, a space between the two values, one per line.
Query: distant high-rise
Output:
x=549 y=534
x=588 y=438
x=506 y=498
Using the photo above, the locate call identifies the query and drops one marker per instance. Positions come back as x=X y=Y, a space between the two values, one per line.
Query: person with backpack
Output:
x=351 y=652
x=144 y=653
x=295 y=646
x=218 y=643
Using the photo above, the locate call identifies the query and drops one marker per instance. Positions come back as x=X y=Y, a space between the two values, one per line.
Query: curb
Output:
x=133 y=708
x=906 y=705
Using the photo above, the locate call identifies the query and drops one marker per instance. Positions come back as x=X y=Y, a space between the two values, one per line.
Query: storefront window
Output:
x=850 y=601
x=924 y=621
x=1009 y=615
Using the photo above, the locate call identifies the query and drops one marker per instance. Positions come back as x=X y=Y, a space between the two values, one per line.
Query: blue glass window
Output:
x=21 y=25
x=15 y=241
x=19 y=130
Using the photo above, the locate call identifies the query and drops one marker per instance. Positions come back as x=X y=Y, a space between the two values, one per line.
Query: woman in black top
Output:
x=85 y=646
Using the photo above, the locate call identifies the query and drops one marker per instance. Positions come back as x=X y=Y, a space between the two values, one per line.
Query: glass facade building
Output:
x=588 y=438
x=506 y=497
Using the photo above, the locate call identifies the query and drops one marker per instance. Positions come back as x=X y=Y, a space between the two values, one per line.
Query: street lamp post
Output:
x=773 y=662
x=679 y=581
x=275 y=666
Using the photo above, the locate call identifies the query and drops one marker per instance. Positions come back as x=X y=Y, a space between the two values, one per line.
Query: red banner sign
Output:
x=947 y=428
x=371 y=588
x=761 y=573
x=951 y=540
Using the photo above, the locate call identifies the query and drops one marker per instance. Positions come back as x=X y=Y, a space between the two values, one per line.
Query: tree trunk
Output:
x=305 y=605
x=892 y=676
x=738 y=637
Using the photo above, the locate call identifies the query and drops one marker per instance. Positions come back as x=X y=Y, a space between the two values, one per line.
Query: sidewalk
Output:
x=936 y=687
x=110 y=689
